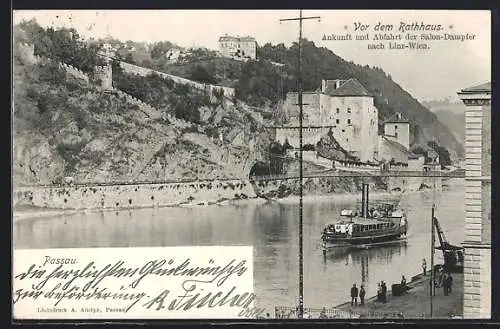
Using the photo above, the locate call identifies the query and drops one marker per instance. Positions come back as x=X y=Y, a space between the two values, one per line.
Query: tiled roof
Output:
x=232 y=38
x=396 y=118
x=484 y=87
x=351 y=87
x=396 y=145
x=414 y=156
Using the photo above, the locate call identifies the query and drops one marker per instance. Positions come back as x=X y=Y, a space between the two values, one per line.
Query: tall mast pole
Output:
x=301 y=170
x=432 y=261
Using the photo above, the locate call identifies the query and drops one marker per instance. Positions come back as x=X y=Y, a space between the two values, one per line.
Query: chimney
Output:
x=337 y=84
x=364 y=201
x=398 y=115
x=323 y=86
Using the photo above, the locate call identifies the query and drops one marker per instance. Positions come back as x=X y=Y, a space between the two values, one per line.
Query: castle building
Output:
x=477 y=244
x=347 y=109
x=245 y=47
x=394 y=143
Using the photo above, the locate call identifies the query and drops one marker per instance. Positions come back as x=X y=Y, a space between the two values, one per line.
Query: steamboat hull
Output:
x=362 y=243
x=362 y=240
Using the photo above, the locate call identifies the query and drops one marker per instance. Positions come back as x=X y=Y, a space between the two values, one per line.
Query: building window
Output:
x=396 y=127
x=343 y=130
x=337 y=121
x=338 y=110
x=347 y=140
x=348 y=121
x=348 y=110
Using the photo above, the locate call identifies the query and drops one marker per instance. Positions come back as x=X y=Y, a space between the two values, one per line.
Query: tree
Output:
x=159 y=49
x=199 y=73
x=443 y=153
x=129 y=58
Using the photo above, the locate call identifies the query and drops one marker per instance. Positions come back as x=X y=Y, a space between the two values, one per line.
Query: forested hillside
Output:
x=260 y=83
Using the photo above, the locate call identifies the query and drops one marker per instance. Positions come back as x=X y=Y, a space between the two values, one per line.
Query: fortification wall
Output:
x=132 y=196
x=142 y=71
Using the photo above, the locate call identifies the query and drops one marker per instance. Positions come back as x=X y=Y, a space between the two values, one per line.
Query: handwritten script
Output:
x=173 y=282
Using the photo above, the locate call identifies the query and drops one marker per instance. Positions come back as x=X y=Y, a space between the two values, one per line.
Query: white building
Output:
x=394 y=144
x=348 y=109
x=244 y=47
x=477 y=244
x=345 y=107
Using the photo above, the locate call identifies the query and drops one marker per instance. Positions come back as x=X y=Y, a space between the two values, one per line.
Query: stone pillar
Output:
x=477 y=244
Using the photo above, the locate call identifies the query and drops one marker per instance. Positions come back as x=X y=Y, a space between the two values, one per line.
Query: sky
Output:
x=436 y=73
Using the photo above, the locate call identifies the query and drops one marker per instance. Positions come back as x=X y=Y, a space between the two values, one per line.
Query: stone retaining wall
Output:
x=131 y=196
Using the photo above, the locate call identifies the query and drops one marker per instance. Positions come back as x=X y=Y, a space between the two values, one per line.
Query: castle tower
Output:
x=105 y=74
x=397 y=129
x=27 y=52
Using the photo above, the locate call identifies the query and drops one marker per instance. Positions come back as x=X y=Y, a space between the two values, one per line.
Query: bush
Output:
x=199 y=73
x=63 y=45
x=70 y=152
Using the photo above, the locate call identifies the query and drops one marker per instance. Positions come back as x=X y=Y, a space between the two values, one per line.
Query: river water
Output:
x=272 y=228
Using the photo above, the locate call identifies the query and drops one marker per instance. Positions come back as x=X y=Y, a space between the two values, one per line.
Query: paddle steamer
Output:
x=378 y=225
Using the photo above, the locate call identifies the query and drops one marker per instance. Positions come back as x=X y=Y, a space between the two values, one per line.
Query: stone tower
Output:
x=27 y=52
x=105 y=75
x=397 y=129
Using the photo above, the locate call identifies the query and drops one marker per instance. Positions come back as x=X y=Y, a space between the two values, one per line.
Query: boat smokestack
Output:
x=364 y=201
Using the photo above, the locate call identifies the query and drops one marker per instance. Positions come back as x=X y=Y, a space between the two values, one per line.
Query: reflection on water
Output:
x=272 y=230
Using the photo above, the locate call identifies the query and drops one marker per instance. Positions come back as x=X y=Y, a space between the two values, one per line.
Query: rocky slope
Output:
x=69 y=127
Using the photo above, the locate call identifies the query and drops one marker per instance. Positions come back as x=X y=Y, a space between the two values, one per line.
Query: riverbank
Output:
x=31 y=212
x=338 y=197
x=415 y=304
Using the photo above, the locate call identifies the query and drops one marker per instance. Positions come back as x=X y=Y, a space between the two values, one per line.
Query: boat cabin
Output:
x=359 y=226
x=381 y=222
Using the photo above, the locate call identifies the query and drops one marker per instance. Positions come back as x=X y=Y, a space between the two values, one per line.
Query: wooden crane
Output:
x=453 y=255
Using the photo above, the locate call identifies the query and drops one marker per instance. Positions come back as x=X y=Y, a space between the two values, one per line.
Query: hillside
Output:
x=455 y=107
x=65 y=124
x=322 y=63
x=452 y=115
x=454 y=121
x=259 y=83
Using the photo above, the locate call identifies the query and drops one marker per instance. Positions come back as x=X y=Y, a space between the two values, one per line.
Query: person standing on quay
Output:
x=354 y=295
x=384 y=292
x=362 y=294
x=424 y=267
x=445 y=284
x=449 y=282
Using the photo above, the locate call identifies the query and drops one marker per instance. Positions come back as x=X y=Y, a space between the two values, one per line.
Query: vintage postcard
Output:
x=251 y=164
